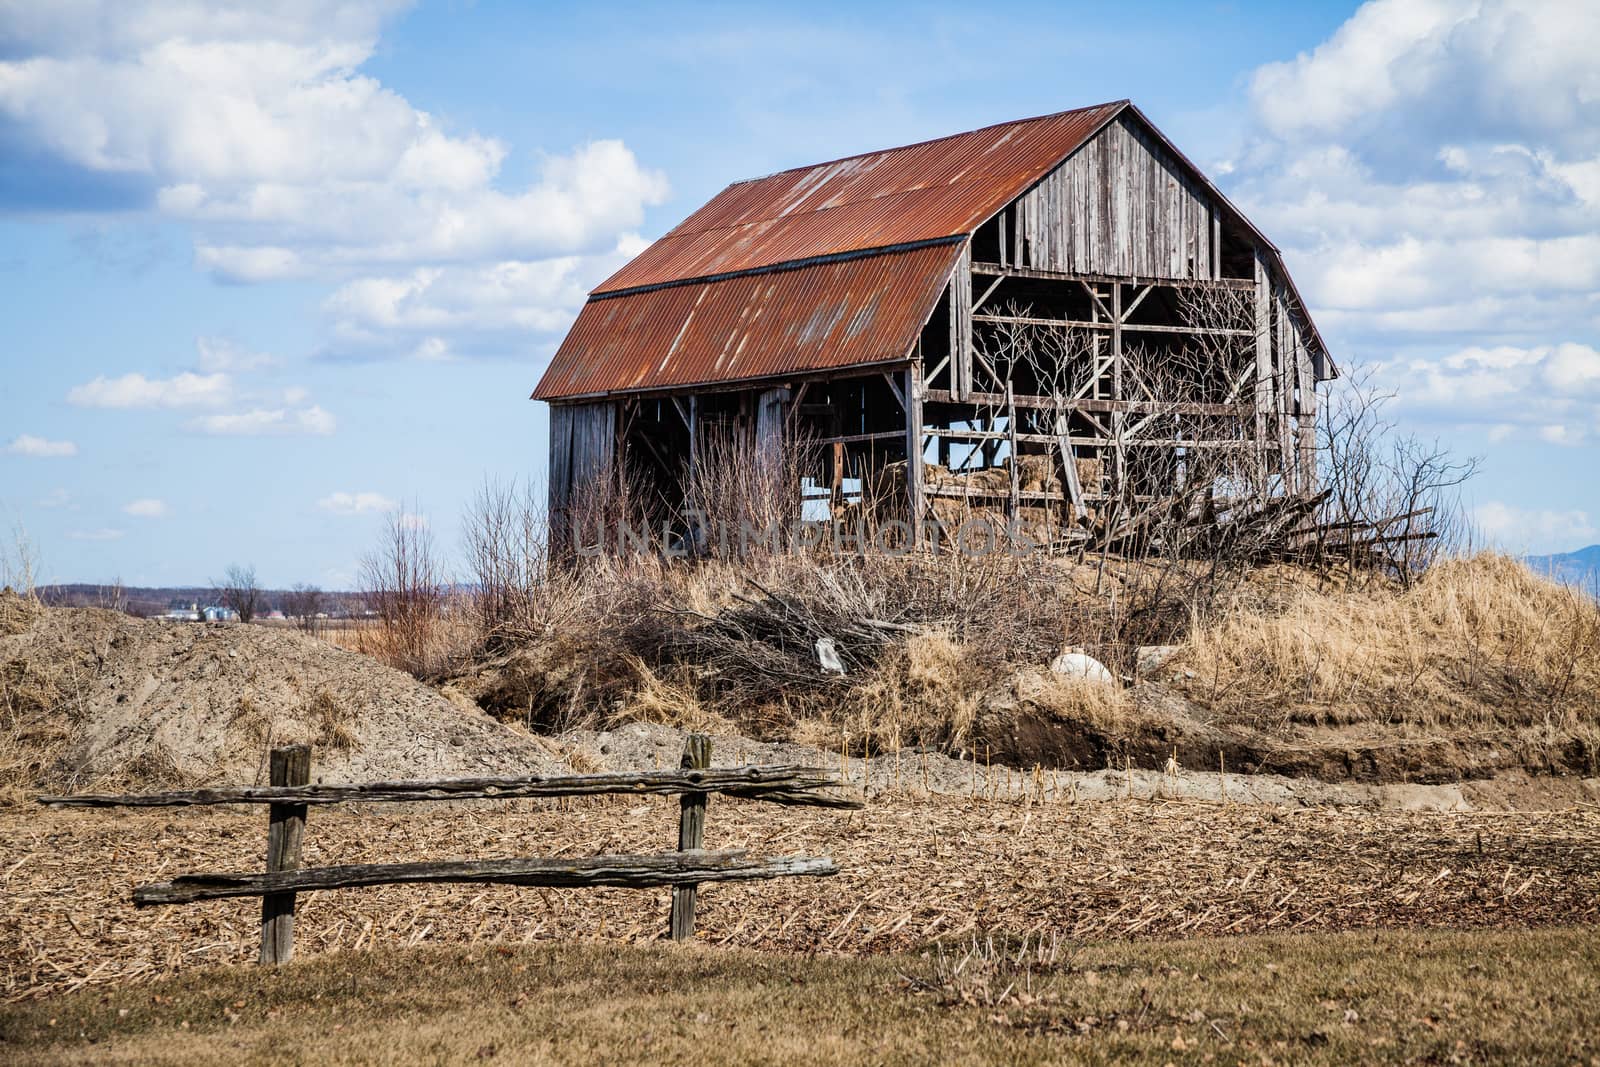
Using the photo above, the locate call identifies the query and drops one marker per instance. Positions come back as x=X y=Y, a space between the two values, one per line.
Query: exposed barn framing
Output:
x=1060 y=316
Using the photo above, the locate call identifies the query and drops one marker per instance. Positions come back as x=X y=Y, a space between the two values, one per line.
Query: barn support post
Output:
x=1263 y=391
x=915 y=500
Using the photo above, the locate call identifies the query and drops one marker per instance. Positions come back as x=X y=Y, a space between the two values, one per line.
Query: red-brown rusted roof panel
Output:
x=935 y=189
x=840 y=313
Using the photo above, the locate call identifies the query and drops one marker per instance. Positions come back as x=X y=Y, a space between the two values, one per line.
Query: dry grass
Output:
x=1474 y=644
x=1315 y=999
x=948 y=651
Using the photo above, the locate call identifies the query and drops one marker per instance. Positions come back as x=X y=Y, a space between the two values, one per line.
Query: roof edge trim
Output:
x=792 y=264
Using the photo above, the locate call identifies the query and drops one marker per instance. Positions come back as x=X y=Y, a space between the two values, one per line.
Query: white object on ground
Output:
x=1075 y=663
x=828 y=656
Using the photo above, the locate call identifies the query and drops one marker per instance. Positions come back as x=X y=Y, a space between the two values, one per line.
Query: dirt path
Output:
x=914 y=868
x=643 y=746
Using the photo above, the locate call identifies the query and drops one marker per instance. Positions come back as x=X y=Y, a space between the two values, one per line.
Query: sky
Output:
x=270 y=270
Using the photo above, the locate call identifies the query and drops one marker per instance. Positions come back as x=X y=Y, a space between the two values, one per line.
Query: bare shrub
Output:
x=19 y=562
x=304 y=605
x=402 y=583
x=1389 y=492
x=238 y=591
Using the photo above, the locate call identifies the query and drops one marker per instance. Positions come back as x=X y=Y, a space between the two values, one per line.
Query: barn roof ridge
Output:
x=1118 y=104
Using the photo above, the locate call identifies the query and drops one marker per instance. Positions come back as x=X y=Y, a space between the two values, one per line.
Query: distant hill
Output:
x=1580 y=568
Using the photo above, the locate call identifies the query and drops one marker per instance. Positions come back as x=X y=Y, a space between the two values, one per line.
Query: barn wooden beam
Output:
x=1046 y=403
x=1112 y=325
x=989 y=269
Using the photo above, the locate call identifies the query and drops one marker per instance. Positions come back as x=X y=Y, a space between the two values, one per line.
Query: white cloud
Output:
x=261 y=130
x=1552 y=390
x=185 y=390
x=55 y=498
x=1535 y=531
x=1434 y=167
x=431 y=312
x=1503 y=68
x=342 y=503
x=274 y=422
x=214 y=354
x=40 y=448
x=104 y=533
x=146 y=508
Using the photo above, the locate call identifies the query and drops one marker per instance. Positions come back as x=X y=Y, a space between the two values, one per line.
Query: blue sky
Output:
x=271 y=269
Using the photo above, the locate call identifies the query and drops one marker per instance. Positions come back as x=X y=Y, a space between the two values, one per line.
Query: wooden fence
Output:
x=291 y=793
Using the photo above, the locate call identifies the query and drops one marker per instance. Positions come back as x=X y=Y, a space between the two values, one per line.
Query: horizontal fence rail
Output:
x=677 y=868
x=291 y=794
x=777 y=784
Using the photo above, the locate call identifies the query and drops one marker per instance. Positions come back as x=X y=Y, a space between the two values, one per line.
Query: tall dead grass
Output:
x=1476 y=642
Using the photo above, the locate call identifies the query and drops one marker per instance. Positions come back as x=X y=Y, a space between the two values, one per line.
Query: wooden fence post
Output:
x=691 y=835
x=291 y=765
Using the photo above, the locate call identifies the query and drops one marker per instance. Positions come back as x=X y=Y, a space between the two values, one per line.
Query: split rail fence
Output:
x=291 y=794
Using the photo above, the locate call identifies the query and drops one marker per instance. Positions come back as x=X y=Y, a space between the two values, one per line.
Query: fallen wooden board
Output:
x=779 y=784
x=672 y=868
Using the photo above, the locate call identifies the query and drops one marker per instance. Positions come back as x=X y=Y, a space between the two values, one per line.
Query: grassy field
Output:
x=1435 y=997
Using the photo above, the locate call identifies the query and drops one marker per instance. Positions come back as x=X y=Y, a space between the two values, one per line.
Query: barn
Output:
x=1059 y=316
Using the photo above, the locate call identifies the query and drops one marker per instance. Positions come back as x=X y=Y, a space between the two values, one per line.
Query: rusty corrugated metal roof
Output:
x=832 y=265
x=846 y=312
x=920 y=192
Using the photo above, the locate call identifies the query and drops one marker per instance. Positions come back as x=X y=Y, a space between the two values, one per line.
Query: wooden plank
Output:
x=286 y=828
x=691 y=836
x=1112 y=325
x=1263 y=337
x=961 y=347
x=1011 y=445
x=673 y=868
x=1000 y=269
x=1141 y=407
x=859 y=438
x=915 y=500
x=778 y=783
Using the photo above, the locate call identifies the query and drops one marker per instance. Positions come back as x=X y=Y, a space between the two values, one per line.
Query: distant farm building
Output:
x=1060 y=316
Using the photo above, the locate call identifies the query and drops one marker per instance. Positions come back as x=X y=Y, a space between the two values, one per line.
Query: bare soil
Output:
x=914 y=869
x=98 y=697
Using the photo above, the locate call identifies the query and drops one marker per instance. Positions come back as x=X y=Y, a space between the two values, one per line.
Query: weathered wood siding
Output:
x=1119 y=205
x=960 y=296
x=583 y=440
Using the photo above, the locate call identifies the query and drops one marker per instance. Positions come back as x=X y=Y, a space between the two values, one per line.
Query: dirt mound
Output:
x=91 y=696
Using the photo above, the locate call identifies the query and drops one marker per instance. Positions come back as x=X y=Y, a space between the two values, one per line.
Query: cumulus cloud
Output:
x=1434 y=167
x=342 y=503
x=40 y=448
x=430 y=312
x=1534 y=530
x=260 y=129
x=146 y=508
x=1552 y=391
x=267 y=422
x=134 y=390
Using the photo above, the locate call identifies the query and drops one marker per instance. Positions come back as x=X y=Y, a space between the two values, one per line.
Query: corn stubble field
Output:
x=1011 y=922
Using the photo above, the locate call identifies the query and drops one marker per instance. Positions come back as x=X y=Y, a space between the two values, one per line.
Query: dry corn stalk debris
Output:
x=913 y=869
